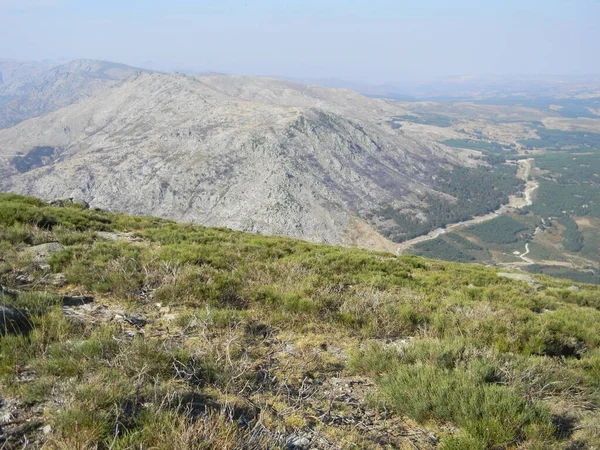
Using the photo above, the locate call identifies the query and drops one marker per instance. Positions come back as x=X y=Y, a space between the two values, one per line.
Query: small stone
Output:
x=108 y=235
x=289 y=348
x=58 y=279
x=25 y=278
x=47 y=429
x=43 y=251
x=573 y=288
x=298 y=442
x=137 y=320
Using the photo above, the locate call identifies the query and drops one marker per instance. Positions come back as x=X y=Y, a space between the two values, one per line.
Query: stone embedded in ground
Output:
x=43 y=251
x=58 y=280
x=13 y=320
x=137 y=320
x=517 y=276
x=298 y=442
x=78 y=300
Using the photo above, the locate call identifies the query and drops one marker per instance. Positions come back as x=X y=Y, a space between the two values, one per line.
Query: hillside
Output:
x=128 y=332
x=30 y=89
x=256 y=155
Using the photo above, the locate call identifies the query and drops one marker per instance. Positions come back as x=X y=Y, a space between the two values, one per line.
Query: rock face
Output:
x=251 y=154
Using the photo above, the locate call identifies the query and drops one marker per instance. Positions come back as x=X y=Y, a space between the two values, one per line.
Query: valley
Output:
x=516 y=201
x=561 y=190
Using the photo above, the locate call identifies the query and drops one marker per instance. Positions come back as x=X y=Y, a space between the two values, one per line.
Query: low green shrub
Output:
x=491 y=414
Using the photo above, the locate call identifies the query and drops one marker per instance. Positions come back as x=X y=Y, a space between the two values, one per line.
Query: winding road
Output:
x=523 y=255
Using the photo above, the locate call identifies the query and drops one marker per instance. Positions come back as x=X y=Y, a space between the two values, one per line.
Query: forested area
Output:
x=573 y=239
x=501 y=230
x=571 y=186
x=441 y=249
x=492 y=147
x=477 y=191
x=578 y=276
x=463 y=242
x=556 y=139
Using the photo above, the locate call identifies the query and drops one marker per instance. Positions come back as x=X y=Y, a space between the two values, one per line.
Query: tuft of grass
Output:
x=491 y=414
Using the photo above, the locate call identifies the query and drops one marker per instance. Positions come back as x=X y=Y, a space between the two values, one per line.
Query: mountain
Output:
x=253 y=154
x=31 y=89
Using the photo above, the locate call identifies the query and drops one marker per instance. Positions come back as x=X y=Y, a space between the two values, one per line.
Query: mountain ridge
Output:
x=177 y=146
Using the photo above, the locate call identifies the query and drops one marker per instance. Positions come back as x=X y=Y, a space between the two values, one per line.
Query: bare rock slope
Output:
x=252 y=154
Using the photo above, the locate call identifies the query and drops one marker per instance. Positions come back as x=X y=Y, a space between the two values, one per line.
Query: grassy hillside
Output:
x=144 y=333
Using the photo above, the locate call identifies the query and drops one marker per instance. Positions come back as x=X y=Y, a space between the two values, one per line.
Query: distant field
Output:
x=437 y=120
x=569 y=107
x=492 y=147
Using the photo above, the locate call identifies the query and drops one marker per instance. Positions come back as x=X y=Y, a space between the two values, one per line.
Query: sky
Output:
x=374 y=41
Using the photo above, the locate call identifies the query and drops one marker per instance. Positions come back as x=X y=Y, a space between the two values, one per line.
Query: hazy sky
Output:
x=374 y=41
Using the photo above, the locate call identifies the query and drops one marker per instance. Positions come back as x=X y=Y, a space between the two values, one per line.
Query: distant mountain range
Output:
x=472 y=88
x=31 y=89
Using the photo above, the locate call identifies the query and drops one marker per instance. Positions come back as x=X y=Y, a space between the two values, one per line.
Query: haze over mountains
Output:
x=253 y=154
x=30 y=89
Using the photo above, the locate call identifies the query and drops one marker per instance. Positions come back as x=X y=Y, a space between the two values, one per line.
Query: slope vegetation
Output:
x=134 y=332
